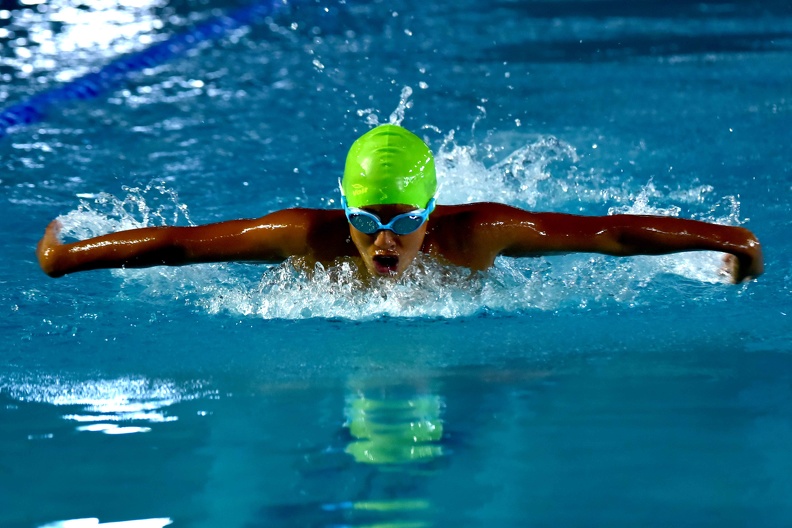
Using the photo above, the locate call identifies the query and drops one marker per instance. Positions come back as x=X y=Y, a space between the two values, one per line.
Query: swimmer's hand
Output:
x=745 y=266
x=47 y=249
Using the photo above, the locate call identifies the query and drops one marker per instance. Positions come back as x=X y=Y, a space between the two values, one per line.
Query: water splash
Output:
x=428 y=288
x=370 y=115
x=102 y=213
x=397 y=117
x=523 y=177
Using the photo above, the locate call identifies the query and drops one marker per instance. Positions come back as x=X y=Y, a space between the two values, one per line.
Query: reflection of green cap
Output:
x=395 y=431
x=389 y=165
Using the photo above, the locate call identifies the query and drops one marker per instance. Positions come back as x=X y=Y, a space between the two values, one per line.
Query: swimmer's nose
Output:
x=385 y=239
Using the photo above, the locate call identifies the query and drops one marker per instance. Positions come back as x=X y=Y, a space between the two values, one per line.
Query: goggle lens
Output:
x=405 y=225
x=363 y=223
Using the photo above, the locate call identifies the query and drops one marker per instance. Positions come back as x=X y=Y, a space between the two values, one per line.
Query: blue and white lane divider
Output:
x=115 y=74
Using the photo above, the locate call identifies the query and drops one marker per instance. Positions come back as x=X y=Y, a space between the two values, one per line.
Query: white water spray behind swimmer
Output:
x=541 y=173
x=99 y=214
x=396 y=117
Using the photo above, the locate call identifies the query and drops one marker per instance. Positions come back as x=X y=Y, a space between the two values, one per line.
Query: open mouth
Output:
x=386 y=264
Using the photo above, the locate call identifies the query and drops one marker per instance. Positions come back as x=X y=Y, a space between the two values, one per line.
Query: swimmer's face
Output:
x=385 y=253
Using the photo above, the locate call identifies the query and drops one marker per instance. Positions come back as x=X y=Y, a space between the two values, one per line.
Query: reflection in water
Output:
x=397 y=437
x=380 y=474
x=395 y=431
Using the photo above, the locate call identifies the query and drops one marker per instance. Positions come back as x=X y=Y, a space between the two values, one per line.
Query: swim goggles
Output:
x=401 y=224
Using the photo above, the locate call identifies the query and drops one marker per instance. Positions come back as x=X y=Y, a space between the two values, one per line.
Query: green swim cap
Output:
x=389 y=165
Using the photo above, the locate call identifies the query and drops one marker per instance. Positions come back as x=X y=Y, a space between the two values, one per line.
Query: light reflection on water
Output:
x=62 y=40
x=110 y=406
x=94 y=522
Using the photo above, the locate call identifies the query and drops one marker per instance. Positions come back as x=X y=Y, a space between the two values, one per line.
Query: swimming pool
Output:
x=574 y=390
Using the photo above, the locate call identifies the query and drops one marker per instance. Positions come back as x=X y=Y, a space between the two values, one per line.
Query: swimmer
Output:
x=389 y=216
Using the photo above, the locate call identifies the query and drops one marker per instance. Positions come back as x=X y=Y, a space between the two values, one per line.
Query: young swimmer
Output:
x=389 y=216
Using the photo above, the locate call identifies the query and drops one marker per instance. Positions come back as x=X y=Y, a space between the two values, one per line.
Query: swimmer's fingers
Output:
x=727 y=269
x=47 y=249
x=742 y=268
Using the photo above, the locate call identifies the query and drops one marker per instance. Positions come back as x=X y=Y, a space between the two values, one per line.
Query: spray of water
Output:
x=396 y=117
x=98 y=214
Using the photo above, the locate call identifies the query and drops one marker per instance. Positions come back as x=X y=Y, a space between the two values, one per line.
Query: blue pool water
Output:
x=577 y=390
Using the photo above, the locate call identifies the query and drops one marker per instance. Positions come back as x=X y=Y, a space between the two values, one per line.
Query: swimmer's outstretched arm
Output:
x=272 y=238
x=525 y=234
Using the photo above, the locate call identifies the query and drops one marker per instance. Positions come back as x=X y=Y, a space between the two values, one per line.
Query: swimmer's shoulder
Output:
x=477 y=214
x=470 y=235
x=325 y=232
x=299 y=215
x=305 y=220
